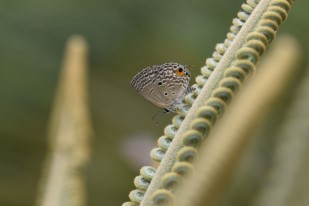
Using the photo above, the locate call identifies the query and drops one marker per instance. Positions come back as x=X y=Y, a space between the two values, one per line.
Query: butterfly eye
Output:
x=180 y=72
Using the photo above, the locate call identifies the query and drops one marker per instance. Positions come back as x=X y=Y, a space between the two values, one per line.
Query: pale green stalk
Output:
x=170 y=156
x=63 y=182
x=221 y=151
x=287 y=181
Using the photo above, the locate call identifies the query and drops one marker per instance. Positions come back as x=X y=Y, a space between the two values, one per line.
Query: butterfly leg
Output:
x=166 y=111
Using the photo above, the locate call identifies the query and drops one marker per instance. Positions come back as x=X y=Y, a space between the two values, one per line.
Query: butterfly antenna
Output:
x=190 y=66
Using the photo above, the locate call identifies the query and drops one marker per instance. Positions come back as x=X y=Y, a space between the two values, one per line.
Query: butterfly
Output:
x=163 y=85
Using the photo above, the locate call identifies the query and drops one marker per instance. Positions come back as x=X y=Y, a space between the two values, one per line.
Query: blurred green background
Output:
x=123 y=37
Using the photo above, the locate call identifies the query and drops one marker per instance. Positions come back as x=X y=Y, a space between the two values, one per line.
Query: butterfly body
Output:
x=163 y=85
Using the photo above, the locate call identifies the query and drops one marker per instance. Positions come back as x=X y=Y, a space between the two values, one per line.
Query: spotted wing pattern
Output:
x=161 y=85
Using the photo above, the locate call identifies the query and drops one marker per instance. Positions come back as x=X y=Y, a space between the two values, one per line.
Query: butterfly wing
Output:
x=173 y=87
x=145 y=83
x=160 y=85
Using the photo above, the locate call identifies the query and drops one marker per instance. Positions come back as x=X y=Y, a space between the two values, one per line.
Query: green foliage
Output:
x=123 y=36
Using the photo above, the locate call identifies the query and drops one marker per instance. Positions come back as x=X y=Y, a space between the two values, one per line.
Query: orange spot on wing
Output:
x=180 y=72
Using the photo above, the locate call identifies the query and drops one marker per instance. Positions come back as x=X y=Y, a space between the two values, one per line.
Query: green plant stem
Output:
x=170 y=156
x=70 y=130
x=286 y=182
x=223 y=148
